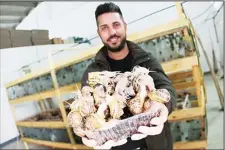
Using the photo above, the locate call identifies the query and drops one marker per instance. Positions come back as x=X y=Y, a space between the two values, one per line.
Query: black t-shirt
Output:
x=124 y=65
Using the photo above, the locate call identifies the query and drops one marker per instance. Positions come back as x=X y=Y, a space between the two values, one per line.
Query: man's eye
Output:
x=116 y=25
x=104 y=28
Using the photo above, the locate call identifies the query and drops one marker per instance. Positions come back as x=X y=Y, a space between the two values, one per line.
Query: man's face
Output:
x=112 y=30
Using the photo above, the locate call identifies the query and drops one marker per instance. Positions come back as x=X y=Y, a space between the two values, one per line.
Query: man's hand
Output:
x=158 y=121
x=107 y=145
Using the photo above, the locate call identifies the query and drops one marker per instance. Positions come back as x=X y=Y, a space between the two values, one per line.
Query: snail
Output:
x=93 y=122
x=87 y=106
x=99 y=94
x=116 y=106
x=75 y=119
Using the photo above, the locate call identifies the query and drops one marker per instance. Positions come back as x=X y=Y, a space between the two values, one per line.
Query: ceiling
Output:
x=12 y=13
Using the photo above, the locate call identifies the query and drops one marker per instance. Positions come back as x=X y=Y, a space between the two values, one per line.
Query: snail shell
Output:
x=135 y=105
x=87 y=91
x=75 y=105
x=99 y=94
x=103 y=110
x=110 y=89
x=148 y=104
x=115 y=106
x=140 y=70
x=93 y=122
x=75 y=119
x=87 y=106
x=159 y=95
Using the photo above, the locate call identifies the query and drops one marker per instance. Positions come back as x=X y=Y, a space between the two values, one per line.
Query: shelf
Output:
x=28 y=77
x=56 y=144
x=46 y=94
x=180 y=65
x=184 y=85
x=160 y=30
x=29 y=98
x=191 y=145
x=186 y=114
x=202 y=144
x=180 y=75
x=42 y=124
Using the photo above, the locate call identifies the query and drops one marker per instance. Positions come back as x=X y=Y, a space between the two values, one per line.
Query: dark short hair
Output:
x=107 y=8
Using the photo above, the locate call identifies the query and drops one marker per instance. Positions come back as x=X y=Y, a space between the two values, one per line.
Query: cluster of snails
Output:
x=108 y=93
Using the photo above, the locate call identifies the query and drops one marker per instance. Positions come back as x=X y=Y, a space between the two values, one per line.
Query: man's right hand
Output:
x=107 y=145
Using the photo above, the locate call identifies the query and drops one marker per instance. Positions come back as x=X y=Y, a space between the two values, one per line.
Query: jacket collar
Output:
x=138 y=54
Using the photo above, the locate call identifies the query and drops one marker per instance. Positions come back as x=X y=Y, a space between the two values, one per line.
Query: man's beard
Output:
x=119 y=48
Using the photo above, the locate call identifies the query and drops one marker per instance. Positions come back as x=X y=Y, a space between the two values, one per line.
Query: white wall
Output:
x=206 y=29
x=8 y=128
x=219 y=21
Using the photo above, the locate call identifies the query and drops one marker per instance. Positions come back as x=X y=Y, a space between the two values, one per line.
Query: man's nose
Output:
x=112 y=31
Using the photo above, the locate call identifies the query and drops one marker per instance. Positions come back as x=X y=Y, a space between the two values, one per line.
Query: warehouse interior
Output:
x=52 y=43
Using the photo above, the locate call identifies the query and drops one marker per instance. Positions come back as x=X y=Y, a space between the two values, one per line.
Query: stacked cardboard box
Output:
x=20 y=38
x=57 y=41
x=40 y=37
x=5 y=41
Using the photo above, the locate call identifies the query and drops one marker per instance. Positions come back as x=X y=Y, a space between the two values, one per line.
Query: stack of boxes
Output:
x=19 y=38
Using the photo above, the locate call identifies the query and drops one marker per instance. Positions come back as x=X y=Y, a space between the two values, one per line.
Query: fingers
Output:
x=164 y=110
x=109 y=144
x=120 y=142
x=163 y=116
x=158 y=120
x=106 y=145
x=138 y=136
x=90 y=143
x=151 y=130
x=80 y=134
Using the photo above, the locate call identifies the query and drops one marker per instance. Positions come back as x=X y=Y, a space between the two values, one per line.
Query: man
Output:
x=119 y=54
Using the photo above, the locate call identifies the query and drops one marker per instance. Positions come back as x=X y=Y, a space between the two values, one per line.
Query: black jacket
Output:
x=144 y=59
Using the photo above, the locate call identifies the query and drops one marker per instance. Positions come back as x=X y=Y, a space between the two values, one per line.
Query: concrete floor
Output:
x=214 y=116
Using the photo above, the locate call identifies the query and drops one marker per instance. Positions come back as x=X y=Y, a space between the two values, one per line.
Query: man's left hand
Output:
x=157 y=121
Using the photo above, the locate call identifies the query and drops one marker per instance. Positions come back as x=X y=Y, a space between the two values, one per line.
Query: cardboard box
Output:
x=5 y=43
x=57 y=41
x=40 y=37
x=20 y=38
x=5 y=40
x=20 y=33
x=41 y=42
